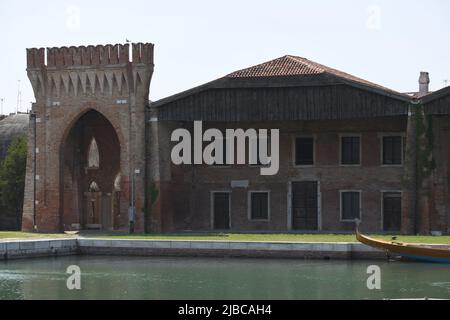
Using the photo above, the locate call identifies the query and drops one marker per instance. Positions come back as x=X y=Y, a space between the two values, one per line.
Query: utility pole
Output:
x=19 y=97
x=2 y=100
x=132 y=209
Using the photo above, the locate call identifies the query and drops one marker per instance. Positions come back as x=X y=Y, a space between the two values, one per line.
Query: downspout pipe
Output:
x=33 y=119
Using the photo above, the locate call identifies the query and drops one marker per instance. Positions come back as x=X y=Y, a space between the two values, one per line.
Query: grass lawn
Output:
x=229 y=236
x=30 y=235
x=276 y=237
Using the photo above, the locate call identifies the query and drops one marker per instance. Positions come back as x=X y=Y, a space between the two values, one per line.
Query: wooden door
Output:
x=304 y=205
x=392 y=211
x=221 y=210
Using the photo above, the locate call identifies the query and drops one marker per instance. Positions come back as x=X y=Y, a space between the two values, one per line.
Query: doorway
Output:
x=305 y=213
x=392 y=211
x=221 y=210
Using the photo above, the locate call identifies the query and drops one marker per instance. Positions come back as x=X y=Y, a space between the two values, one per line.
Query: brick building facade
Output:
x=86 y=93
x=348 y=149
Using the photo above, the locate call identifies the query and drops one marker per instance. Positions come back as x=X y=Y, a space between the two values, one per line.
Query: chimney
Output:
x=424 y=82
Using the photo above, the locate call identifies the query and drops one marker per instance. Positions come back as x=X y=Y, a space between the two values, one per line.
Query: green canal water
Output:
x=211 y=278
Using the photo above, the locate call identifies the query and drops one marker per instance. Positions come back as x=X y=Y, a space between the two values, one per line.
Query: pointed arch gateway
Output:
x=91 y=160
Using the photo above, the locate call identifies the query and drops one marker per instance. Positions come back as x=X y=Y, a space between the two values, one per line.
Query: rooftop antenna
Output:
x=19 y=97
x=130 y=51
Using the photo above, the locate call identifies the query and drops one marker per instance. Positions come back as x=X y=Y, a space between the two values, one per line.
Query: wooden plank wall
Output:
x=439 y=106
x=330 y=102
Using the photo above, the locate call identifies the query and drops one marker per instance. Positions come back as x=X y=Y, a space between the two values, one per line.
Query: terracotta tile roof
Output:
x=297 y=66
x=285 y=67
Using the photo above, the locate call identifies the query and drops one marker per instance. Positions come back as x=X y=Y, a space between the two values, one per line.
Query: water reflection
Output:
x=208 y=278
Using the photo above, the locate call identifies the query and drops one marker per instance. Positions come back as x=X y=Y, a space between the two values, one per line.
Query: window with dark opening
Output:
x=392 y=211
x=392 y=150
x=350 y=150
x=351 y=205
x=259 y=206
x=304 y=151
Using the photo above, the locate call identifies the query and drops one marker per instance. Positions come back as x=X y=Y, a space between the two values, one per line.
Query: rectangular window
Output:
x=392 y=211
x=259 y=205
x=304 y=151
x=221 y=210
x=392 y=150
x=350 y=205
x=350 y=150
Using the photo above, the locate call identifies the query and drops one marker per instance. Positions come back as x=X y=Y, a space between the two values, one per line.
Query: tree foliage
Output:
x=425 y=139
x=12 y=178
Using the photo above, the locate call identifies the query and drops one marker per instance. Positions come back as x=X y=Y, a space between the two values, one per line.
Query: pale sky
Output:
x=383 y=41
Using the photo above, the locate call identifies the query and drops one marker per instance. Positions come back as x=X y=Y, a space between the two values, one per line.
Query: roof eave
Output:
x=251 y=82
x=186 y=93
x=372 y=88
x=436 y=95
x=324 y=79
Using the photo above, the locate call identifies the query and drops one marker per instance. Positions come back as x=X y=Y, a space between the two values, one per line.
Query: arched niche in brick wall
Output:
x=91 y=156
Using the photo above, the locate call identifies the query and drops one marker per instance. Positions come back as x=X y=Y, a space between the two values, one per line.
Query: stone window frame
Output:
x=249 y=205
x=293 y=148
x=343 y=135
x=382 y=192
x=402 y=135
x=341 y=219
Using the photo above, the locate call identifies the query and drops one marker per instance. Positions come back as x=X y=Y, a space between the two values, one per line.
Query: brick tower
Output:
x=86 y=150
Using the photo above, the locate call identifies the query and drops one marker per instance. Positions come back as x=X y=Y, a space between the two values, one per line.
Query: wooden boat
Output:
x=72 y=232
x=407 y=250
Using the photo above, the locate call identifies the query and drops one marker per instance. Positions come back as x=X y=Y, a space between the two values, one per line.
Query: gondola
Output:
x=409 y=251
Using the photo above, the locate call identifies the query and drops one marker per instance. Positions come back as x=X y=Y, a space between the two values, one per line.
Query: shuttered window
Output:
x=350 y=150
x=259 y=205
x=304 y=151
x=392 y=211
x=350 y=205
x=392 y=150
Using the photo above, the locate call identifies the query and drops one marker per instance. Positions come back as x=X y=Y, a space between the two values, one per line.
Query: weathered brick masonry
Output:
x=303 y=98
x=85 y=92
x=187 y=198
x=88 y=93
x=437 y=202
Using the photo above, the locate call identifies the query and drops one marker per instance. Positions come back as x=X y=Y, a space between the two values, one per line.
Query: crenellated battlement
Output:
x=81 y=93
x=89 y=70
x=142 y=53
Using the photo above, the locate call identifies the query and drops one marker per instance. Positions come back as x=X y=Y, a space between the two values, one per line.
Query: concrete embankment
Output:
x=229 y=249
x=14 y=249
x=11 y=249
